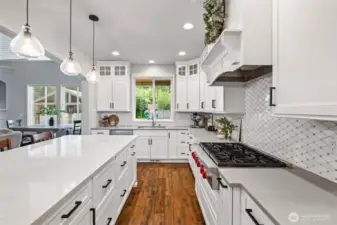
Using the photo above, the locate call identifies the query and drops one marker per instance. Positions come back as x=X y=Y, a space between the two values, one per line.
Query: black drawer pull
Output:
x=221 y=184
x=182 y=133
x=134 y=153
x=77 y=204
x=182 y=153
x=271 y=96
x=124 y=192
x=249 y=212
x=93 y=210
x=124 y=163
x=183 y=142
x=132 y=146
x=109 y=221
x=107 y=184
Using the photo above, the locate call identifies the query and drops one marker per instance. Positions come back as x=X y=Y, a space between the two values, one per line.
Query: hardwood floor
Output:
x=165 y=195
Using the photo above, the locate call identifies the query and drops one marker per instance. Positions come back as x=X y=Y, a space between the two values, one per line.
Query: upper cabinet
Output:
x=244 y=49
x=113 y=91
x=187 y=86
x=304 y=59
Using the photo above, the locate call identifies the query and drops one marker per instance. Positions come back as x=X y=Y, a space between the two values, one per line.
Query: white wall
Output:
x=180 y=119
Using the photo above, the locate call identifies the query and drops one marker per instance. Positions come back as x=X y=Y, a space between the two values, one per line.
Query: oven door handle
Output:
x=221 y=184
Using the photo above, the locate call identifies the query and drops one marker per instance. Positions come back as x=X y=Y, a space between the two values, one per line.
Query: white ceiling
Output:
x=139 y=29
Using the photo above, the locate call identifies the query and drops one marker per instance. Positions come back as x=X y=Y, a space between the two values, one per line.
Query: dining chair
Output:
x=5 y=144
x=36 y=138
x=77 y=129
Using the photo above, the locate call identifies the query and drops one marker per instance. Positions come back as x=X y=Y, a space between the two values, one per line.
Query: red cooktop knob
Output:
x=204 y=175
x=198 y=164
x=193 y=153
x=202 y=170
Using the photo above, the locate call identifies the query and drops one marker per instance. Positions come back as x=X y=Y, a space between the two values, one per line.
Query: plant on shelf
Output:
x=48 y=115
x=226 y=127
x=214 y=19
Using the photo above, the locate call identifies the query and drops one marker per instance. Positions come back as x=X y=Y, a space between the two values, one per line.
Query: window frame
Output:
x=30 y=98
x=134 y=79
x=64 y=103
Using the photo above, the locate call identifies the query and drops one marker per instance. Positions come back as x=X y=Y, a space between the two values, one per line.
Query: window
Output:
x=71 y=102
x=182 y=71
x=193 y=69
x=153 y=99
x=40 y=97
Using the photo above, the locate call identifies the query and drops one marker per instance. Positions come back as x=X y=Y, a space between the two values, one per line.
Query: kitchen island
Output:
x=68 y=180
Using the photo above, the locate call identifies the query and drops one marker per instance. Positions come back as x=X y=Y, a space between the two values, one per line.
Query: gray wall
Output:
x=25 y=73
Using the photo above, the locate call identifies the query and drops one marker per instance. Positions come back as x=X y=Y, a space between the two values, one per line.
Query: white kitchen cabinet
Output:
x=172 y=144
x=304 y=59
x=187 y=86
x=113 y=91
x=143 y=148
x=251 y=213
x=159 y=148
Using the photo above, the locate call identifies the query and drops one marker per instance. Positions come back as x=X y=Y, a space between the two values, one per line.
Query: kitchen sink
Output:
x=151 y=127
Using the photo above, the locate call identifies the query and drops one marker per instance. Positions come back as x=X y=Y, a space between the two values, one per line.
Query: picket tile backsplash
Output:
x=309 y=144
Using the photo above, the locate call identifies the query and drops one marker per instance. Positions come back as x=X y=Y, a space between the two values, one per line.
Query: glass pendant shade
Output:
x=70 y=66
x=27 y=45
x=93 y=76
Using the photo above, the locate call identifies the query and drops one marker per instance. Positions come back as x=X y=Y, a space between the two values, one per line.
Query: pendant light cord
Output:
x=93 y=43
x=27 y=13
x=70 y=37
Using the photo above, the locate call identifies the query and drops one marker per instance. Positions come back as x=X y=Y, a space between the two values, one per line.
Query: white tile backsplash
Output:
x=310 y=144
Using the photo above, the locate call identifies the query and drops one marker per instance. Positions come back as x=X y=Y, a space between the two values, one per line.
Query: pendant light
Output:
x=93 y=76
x=25 y=44
x=70 y=66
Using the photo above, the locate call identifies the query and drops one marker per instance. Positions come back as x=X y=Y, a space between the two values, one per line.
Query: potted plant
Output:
x=225 y=128
x=48 y=115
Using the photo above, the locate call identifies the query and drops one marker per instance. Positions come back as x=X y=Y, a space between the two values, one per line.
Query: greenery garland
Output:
x=214 y=19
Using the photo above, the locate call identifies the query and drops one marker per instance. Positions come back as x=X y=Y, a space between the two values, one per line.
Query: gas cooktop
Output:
x=239 y=155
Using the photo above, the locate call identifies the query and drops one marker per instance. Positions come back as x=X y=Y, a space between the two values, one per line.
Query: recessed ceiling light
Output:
x=151 y=61
x=115 y=53
x=188 y=26
x=181 y=53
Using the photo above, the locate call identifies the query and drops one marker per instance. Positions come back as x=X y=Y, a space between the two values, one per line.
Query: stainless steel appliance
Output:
x=196 y=118
x=121 y=132
x=210 y=156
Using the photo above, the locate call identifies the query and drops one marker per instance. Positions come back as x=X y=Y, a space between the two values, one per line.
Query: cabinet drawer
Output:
x=183 y=152
x=72 y=208
x=121 y=193
x=251 y=211
x=108 y=215
x=121 y=163
x=100 y=132
x=103 y=183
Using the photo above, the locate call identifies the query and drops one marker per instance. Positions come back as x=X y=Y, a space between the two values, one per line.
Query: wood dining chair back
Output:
x=45 y=136
x=77 y=129
x=13 y=123
x=5 y=144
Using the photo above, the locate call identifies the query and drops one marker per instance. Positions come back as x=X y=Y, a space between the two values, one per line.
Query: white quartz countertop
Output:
x=202 y=135
x=280 y=193
x=35 y=178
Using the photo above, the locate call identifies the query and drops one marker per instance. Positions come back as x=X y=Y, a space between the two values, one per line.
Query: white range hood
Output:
x=244 y=50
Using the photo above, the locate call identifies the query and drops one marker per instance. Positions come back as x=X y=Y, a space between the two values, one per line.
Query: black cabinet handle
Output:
x=221 y=184
x=183 y=142
x=202 y=105
x=109 y=221
x=182 y=133
x=77 y=204
x=249 y=212
x=134 y=153
x=93 y=210
x=107 y=184
x=213 y=104
x=177 y=105
x=271 y=96
x=124 y=192
x=124 y=163
x=132 y=146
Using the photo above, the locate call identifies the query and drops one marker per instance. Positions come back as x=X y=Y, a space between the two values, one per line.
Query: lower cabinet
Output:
x=152 y=145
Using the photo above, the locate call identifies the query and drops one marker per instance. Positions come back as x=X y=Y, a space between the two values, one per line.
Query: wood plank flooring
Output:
x=165 y=195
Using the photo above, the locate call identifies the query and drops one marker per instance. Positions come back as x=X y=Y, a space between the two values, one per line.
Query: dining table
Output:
x=59 y=129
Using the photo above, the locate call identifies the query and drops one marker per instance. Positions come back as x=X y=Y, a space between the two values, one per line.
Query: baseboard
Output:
x=162 y=161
